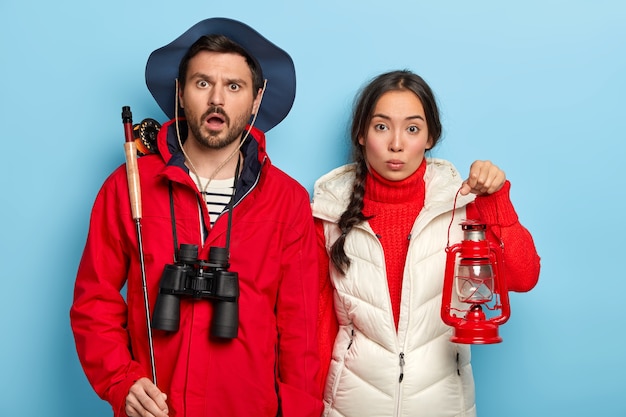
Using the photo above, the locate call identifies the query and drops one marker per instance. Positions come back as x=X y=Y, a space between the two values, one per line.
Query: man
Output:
x=211 y=184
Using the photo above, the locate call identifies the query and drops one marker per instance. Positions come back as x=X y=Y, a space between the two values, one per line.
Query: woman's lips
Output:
x=395 y=164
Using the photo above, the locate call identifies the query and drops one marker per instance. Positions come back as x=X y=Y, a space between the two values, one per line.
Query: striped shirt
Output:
x=216 y=196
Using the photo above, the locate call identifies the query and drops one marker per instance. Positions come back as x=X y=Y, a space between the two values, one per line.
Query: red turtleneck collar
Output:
x=381 y=190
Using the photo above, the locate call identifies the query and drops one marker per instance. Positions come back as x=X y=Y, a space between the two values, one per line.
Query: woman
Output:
x=383 y=224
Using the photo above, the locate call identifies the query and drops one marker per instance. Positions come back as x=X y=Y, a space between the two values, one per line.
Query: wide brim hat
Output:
x=277 y=67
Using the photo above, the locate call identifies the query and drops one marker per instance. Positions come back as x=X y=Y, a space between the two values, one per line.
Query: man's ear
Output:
x=257 y=101
x=179 y=95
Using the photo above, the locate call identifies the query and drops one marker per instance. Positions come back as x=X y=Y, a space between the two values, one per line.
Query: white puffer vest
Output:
x=376 y=370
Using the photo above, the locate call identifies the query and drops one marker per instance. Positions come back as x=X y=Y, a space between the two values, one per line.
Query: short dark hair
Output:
x=223 y=44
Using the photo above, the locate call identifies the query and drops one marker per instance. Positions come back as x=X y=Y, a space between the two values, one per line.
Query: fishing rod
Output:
x=134 y=191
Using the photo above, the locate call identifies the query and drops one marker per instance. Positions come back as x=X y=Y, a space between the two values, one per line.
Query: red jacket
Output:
x=270 y=368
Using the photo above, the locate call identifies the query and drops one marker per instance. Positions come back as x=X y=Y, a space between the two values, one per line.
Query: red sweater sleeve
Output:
x=327 y=320
x=521 y=261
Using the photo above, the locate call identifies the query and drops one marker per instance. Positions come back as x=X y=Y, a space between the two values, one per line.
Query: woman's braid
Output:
x=350 y=218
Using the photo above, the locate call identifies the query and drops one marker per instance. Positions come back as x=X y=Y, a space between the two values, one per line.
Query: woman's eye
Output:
x=380 y=126
x=413 y=129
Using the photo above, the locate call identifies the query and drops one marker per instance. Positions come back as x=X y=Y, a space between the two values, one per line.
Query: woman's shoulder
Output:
x=338 y=177
x=443 y=182
x=438 y=165
x=333 y=189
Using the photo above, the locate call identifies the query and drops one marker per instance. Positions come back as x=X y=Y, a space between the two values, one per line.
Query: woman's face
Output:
x=397 y=135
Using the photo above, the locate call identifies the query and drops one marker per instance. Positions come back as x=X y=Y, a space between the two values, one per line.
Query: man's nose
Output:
x=216 y=96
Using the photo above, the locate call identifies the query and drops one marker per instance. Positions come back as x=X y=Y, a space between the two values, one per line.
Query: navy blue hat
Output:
x=277 y=67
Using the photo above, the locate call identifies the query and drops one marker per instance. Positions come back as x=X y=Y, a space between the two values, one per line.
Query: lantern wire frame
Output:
x=494 y=304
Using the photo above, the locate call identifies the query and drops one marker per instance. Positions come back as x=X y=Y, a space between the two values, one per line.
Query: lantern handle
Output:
x=452 y=219
x=456 y=196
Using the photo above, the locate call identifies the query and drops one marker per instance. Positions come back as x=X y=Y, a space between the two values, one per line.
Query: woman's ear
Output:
x=429 y=144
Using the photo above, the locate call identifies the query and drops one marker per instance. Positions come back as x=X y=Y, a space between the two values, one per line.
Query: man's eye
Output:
x=234 y=87
x=202 y=84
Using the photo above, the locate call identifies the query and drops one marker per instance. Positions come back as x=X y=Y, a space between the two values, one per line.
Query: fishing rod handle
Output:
x=132 y=172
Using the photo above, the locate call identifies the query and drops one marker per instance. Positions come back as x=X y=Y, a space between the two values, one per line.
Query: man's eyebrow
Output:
x=233 y=80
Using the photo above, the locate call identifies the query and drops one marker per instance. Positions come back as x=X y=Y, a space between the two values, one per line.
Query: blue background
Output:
x=536 y=86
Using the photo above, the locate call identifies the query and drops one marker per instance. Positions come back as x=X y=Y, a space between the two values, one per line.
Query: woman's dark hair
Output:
x=222 y=44
x=402 y=80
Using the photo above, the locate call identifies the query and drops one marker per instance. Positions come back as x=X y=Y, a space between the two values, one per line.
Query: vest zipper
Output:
x=351 y=339
x=398 y=409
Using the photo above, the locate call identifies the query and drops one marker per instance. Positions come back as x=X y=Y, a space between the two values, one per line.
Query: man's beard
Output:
x=210 y=139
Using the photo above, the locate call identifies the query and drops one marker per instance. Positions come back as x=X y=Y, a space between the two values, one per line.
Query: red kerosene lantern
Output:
x=472 y=272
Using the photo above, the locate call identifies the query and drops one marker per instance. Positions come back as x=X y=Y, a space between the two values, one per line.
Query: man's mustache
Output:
x=214 y=110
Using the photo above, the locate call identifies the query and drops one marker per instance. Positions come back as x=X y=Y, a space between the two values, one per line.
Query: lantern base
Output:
x=476 y=329
x=476 y=333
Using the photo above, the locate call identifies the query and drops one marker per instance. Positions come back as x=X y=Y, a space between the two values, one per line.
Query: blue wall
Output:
x=536 y=86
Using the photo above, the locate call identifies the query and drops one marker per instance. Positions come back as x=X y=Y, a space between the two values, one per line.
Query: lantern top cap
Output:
x=473 y=225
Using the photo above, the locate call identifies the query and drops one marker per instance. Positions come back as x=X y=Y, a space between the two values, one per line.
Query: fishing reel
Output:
x=145 y=135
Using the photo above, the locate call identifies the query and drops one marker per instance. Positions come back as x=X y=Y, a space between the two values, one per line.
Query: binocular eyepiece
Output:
x=197 y=279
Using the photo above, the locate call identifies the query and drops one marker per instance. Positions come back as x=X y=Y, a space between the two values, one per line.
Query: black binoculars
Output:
x=191 y=277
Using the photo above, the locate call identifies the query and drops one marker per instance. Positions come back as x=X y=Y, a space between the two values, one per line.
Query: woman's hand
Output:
x=484 y=178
